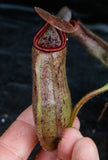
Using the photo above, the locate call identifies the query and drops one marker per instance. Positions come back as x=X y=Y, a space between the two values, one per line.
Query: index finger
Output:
x=20 y=138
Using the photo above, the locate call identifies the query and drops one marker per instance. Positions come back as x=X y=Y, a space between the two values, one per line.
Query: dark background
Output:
x=18 y=25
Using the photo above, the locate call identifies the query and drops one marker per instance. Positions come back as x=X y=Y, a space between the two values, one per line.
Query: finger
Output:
x=20 y=138
x=27 y=116
x=76 y=123
x=65 y=146
x=85 y=149
x=45 y=155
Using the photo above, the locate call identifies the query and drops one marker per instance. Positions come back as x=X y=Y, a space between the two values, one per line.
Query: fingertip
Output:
x=85 y=149
x=46 y=155
x=76 y=123
x=27 y=116
x=69 y=138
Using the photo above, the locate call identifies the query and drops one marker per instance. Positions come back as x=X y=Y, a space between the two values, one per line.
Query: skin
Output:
x=20 y=138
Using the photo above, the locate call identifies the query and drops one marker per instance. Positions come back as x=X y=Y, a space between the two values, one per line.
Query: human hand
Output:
x=20 y=138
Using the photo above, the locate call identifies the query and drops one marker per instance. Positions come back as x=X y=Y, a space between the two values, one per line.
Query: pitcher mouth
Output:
x=49 y=39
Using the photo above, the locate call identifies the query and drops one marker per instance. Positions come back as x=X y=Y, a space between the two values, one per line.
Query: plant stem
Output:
x=84 y=100
x=102 y=112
